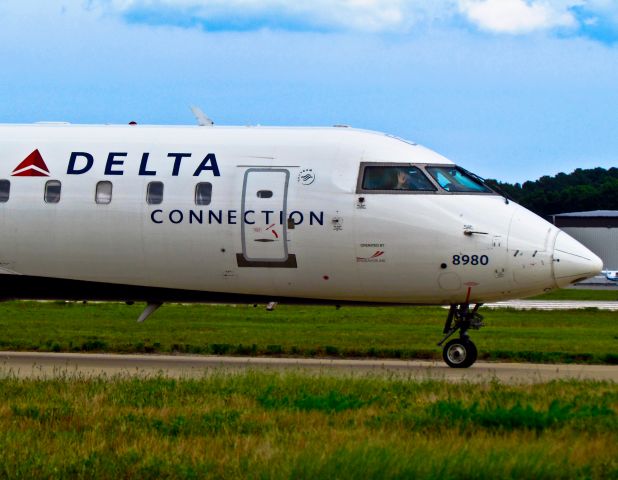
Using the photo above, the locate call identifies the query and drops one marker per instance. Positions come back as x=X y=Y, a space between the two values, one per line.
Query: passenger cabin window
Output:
x=5 y=190
x=402 y=178
x=455 y=179
x=103 y=193
x=52 y=191
x=203 y=193
x=154 y=193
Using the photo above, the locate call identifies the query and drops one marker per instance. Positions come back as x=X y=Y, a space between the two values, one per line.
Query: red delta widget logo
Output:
x=82 y=162
x=32 y=166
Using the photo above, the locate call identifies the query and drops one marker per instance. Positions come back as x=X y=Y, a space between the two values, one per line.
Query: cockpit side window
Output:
x=455 y=179
x=396 y=178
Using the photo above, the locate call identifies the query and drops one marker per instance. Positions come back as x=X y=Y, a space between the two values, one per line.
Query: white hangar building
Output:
x=597 y=230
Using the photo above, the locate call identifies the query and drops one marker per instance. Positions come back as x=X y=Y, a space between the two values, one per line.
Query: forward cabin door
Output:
x=264 y=218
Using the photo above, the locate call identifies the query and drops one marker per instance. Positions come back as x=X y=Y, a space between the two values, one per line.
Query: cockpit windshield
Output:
x=456 y=179
x=402 y=178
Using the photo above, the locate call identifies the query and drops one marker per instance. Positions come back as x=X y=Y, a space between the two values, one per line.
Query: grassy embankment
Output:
x=587 y=336
x=259 y=425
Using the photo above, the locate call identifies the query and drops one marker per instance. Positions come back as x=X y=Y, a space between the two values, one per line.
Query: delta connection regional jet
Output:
x=255 y=214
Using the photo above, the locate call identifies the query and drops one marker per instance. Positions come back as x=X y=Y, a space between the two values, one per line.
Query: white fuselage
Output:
x=286 y=218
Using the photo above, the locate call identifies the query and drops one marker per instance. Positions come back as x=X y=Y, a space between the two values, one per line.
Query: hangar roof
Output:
x=594 y=218
x=591 y=213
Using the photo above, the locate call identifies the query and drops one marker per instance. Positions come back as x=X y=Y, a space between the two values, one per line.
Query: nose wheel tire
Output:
x=460 y=353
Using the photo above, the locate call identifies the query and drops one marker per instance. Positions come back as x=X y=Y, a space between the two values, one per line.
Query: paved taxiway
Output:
x=49 y=365
x=554 y=305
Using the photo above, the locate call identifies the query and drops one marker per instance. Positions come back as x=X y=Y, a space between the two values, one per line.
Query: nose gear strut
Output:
x=461 y=352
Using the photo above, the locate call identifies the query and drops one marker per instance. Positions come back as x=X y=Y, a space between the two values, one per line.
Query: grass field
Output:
x=291 y=426
x=586 y=336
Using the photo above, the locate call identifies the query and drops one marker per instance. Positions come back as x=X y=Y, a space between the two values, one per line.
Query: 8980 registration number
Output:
x=470 y=259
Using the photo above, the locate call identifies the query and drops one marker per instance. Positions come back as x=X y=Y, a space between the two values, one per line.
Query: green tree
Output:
x=580 y=190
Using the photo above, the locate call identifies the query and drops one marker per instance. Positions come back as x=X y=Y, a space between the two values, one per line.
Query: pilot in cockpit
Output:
x=404 y=180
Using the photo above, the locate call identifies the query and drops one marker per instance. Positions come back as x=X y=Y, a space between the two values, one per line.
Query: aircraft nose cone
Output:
x=573 y=261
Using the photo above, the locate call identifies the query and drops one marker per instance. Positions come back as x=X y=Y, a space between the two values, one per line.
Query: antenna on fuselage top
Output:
x=200 y=116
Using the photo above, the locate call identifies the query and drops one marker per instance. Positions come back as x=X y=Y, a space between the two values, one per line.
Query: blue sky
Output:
x=510 y=89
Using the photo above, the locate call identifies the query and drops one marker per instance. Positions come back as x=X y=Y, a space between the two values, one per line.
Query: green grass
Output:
x=293 y=426
x=587 y=336
x=604 y=295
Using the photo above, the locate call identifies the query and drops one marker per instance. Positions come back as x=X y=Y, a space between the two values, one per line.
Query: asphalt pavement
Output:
x=554 y=304
x=76 y=365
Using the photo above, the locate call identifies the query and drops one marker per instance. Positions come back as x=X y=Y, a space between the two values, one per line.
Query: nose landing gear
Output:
x=461 y=352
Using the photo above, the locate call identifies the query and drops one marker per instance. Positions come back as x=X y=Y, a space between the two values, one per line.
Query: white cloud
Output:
x=519 y=16
x=359 y=15
x=514 y=17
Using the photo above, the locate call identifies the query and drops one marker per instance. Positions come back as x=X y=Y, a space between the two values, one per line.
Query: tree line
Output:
x=578 y=191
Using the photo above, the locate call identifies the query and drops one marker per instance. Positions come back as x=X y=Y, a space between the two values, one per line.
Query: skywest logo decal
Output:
x=82 y=162
x=32 y=166
x=374 y=258
x=378 y=255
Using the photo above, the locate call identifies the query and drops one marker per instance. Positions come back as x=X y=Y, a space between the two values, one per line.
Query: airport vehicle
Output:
x=259 y=214
x=611 y=275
